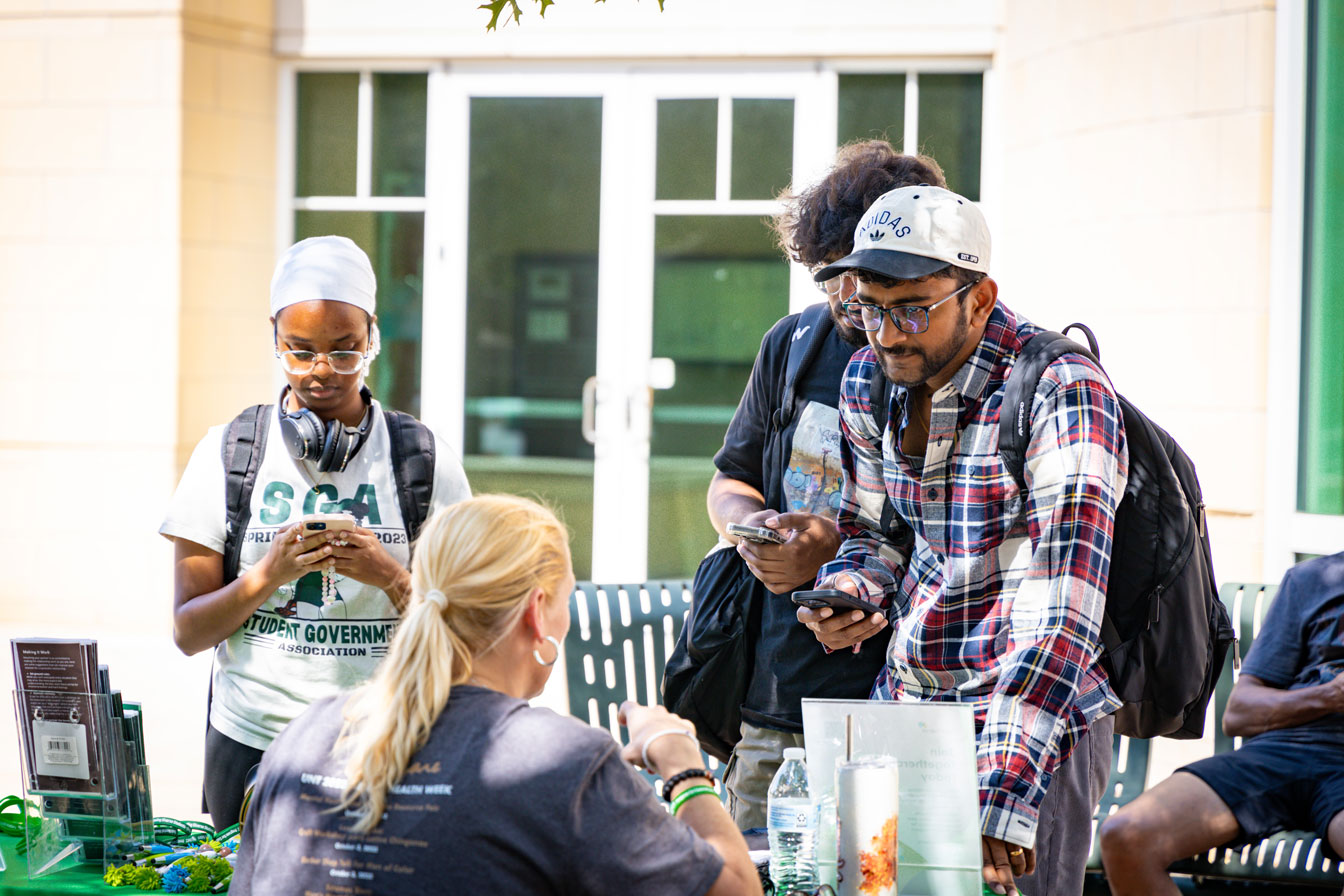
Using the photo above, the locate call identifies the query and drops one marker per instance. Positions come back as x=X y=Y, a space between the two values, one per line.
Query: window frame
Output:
x=1289 y=533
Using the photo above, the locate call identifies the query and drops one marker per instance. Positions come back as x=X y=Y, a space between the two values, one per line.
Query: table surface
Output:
x=80 y=879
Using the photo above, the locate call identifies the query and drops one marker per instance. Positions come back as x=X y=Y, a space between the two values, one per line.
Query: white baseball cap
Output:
x=911 y=232
x=324 y=268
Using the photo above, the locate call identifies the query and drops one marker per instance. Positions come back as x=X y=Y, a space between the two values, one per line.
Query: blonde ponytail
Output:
x=476 y=563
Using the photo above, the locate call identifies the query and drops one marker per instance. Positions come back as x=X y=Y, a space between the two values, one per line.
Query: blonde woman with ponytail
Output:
x=437 y=777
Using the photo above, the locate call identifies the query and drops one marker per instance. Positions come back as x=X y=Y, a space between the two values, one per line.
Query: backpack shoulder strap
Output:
x=1039 y=352
x=412 y=444
x=814 y=325
x=879 y=396
x=243 y=447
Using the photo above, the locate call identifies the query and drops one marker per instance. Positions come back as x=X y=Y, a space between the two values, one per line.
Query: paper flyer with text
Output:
x=934 y=745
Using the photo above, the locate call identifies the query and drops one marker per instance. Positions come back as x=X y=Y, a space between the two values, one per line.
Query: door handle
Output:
x=588 y=415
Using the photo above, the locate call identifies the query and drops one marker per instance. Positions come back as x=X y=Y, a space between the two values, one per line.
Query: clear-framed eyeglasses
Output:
x=837 y=284
x=911 y=319
x=300 y=362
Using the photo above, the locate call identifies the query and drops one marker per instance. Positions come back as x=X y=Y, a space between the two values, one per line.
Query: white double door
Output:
x=637 y=164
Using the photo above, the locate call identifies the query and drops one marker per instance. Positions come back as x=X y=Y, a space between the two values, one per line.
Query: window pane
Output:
x=762 y=148
x=328 y=109
x=687 y=148
x=395 y=242
x=719 y=283
x=949 y=127
x=532 y=301
x=1321 y=465
x=872 y=107
x=399 y=103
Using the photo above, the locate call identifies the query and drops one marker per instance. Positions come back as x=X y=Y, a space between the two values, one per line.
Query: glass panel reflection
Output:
x=762 y=148
x=719 y=284
x=950 y=125
x=532 y=301
x=872 y=107
x=399 y=104
x=687 y=148
x=395 y=243
x=325 y=154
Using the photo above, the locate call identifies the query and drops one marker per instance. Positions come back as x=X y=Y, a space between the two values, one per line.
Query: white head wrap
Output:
x=323 y=268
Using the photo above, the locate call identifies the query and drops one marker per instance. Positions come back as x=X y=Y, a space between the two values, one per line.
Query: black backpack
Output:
x=244 y=446
x=1165 y=633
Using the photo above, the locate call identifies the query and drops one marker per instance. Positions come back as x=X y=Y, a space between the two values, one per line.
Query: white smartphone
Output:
x=758 y=534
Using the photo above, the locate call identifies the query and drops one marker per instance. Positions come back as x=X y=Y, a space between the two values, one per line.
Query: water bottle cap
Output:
x=794 y=753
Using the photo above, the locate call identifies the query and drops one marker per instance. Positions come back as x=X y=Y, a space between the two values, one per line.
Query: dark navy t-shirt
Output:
x=1301 y=641
x=796 y=469
x=504 y=798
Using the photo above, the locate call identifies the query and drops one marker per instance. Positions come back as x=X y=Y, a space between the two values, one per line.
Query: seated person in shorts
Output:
x=1288 y=774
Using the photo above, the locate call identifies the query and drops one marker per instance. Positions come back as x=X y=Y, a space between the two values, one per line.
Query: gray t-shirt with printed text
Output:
x=504 y=798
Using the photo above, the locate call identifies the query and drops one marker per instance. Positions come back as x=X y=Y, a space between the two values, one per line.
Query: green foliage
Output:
x=510 y=9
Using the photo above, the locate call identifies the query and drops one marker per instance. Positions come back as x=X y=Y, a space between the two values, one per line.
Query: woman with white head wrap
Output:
x=307 y=615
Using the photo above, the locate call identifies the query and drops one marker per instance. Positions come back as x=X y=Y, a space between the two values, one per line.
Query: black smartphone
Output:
x=836 y=600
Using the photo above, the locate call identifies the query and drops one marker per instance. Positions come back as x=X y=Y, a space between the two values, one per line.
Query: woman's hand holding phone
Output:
x=357 y=553
x=838 y=629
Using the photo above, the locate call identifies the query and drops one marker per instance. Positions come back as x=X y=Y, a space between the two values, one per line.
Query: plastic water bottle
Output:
x=791 y=824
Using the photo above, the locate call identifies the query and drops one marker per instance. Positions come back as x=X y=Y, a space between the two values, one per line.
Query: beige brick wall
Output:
x=228 y=213
x=137 y=147
x=1135 y=195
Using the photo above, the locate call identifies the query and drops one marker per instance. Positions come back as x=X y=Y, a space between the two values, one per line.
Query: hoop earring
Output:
x=536 y=654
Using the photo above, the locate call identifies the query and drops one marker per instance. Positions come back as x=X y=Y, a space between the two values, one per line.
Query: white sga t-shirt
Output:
x=294 y=650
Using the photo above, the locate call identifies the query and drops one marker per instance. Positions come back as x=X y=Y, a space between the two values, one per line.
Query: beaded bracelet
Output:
x=691 y=793
x=684 y=776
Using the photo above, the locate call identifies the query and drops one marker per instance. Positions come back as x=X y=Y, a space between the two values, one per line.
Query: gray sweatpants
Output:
x=1064 y=835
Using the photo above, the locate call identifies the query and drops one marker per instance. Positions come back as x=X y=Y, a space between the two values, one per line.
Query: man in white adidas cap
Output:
x=994 y=593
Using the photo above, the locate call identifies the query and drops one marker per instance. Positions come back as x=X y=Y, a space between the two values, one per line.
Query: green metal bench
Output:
x=619 y=640
x=1129 y=774
x=1289 y=857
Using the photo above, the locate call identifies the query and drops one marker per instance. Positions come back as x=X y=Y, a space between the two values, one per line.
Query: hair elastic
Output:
x=644 y=751
x=437 y=598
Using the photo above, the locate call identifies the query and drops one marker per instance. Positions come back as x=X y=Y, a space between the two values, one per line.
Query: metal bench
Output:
x=1289 y=857
x=619 y=640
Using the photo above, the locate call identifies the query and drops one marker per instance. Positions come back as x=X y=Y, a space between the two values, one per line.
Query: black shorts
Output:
x=1279 y=783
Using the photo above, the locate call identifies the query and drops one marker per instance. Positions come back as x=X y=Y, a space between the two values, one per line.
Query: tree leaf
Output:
x=497 y=7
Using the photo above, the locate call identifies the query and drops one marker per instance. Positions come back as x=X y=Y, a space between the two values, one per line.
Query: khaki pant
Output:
x=751 y=768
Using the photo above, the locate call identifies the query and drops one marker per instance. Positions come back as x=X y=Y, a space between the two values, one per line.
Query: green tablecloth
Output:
x=81 y=879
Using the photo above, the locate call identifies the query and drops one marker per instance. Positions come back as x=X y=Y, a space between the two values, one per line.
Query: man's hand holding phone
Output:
x=808 y=541
x=835 y=623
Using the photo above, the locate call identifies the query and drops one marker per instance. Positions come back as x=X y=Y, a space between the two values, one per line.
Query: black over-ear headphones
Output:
x=331 y=444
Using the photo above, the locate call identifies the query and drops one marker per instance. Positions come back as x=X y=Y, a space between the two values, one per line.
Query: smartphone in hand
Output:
x=757 y=534
x=836 y=600
x=327 y=522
